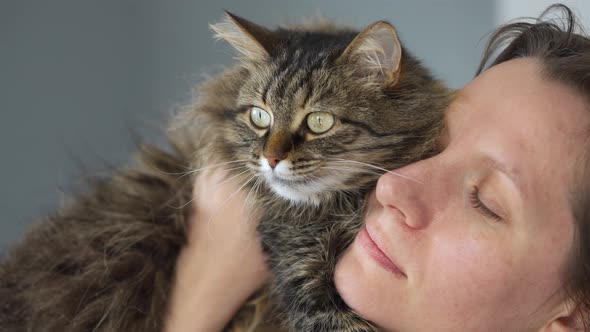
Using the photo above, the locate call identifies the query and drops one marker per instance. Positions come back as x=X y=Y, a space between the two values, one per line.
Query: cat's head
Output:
x=321 y=109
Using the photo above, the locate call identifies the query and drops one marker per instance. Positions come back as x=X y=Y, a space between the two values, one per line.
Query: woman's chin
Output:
x=353 y=283
x=344 y=279
x=366 y=287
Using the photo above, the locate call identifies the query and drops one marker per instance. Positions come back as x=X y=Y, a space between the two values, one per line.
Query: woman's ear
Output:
x=570 y=319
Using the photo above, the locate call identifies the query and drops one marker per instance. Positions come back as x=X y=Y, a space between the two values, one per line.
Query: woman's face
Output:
x=482 y=235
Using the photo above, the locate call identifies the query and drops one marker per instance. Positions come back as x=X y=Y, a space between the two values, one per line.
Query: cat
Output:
x=324 y=109
x=308 y=119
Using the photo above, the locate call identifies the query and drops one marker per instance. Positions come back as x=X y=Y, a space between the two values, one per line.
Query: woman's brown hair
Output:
x=564 y=51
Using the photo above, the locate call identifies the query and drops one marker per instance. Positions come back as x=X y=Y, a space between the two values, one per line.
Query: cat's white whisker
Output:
x=246 y=201
x=220 y=165
x=376 y=167
x=257 y=185
x=171 y=173
x=226 y=201
x=195 y=196
x=352 y=170
x=182 y=174
x=185 y=204
x=225 y=169
x=250 y=193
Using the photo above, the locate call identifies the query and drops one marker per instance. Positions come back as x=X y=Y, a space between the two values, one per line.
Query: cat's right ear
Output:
x=254 y=42
x=376 y=54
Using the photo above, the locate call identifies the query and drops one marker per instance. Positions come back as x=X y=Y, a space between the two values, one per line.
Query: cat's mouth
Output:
x=286 y=180
x=281 y=174
x=283 y=182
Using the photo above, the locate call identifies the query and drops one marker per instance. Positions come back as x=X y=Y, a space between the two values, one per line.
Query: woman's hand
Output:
x=223 y=263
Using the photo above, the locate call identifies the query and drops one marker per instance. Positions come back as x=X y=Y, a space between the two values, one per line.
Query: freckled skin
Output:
x=467 y=271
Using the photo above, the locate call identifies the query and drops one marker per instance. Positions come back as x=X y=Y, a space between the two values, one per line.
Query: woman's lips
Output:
x=373 y=250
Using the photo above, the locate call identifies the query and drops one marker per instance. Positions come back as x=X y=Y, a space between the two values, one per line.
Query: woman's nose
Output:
x=404 y=193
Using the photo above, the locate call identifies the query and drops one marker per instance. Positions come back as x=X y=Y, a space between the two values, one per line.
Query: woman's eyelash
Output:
x=477 y=203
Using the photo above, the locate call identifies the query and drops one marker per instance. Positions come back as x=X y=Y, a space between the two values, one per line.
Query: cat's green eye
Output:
x=260 y=118
x=320 y=122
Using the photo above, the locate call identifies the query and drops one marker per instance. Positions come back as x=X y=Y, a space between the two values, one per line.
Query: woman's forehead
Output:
x=513 y=97
x=514 y=114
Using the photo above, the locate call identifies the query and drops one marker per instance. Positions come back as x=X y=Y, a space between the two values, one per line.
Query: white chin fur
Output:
x=298 y=193
x=295 y=194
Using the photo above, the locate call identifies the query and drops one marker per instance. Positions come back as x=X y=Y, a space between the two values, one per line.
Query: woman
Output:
x=497 y=238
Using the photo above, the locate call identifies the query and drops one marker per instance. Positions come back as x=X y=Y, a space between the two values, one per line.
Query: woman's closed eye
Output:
x=478 y=204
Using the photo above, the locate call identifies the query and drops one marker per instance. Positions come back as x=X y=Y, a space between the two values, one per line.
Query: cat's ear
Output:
x=254 y=42
x=376 y=53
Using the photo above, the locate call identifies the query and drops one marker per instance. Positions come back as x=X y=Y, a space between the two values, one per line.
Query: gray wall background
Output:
x=78 y=76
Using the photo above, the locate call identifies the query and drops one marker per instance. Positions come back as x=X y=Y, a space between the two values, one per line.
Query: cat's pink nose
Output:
x=273 y=161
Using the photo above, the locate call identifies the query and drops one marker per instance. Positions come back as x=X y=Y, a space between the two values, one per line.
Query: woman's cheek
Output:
x=471 y=271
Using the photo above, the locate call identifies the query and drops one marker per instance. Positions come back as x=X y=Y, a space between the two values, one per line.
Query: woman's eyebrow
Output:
x=510 y=170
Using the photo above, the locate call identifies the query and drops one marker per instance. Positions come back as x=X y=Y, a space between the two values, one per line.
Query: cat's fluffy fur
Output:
x=105 y=261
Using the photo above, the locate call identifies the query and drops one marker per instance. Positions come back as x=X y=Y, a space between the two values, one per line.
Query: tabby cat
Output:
x=308 y=119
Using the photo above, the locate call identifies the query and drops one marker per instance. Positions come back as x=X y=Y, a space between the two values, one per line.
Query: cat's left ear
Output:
x=376 y=53
x=253 y=41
